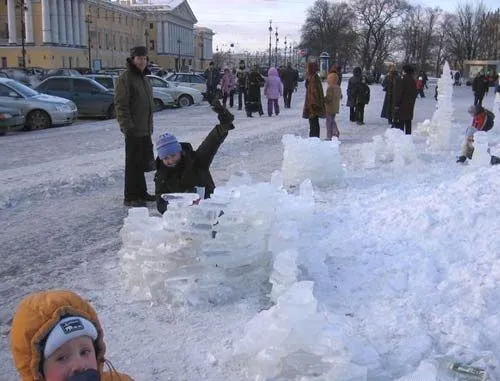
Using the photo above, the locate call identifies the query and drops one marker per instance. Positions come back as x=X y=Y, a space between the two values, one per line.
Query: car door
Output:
x=60 y=87
x=95 y=100
x=11 y=99
x=198 y=83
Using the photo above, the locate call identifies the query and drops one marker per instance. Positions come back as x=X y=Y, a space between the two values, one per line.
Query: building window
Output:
x=151 y=25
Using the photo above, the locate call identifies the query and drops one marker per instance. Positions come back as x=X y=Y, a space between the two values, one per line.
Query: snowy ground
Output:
x=411 y=267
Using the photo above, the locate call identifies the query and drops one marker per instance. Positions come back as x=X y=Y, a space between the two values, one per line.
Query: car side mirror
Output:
x=13 y=94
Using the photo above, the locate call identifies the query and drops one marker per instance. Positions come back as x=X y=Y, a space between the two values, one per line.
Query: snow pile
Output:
x=394 y=147
x=481 y=156
x=311 y=158
x=440 y=127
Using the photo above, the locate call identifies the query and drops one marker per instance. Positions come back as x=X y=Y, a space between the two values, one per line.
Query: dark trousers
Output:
x=287 y=96
x=352 y=113
x=211 y=93
x=421 y=93
x=231 y=99
x=270 y=104
x=138 y=153
x=314 y=127
x=403 y=125
x=478 y=99
x=360 y=113
x=241 y=97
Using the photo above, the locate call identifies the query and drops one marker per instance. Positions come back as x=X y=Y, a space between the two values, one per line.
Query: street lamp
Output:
x=24 y=7
x=284 y=61
x=179 y=55
x=146 y=36
x=88 y=21
x=276 y=48
x=270 y=31
x=202 y=46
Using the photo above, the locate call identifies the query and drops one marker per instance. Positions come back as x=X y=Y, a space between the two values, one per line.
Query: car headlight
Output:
x=62 y=107
x=4 y=115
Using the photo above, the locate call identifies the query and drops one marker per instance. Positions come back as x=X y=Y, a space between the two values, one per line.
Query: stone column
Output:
x=28 y=22
x=46 y=27
x=69 y=23
x=83 y=25
x=165 y=37
x=159 y=37
x=62 y=22
x=76 y=22
x=11 y=17
x=54 y=21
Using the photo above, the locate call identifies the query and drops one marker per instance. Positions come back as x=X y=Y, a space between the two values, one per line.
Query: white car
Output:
x=184 y=96
x=161 y=98
x=195 y=81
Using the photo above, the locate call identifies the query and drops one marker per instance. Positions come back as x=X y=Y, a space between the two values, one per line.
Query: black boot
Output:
x=461 y=159
x=494 y=160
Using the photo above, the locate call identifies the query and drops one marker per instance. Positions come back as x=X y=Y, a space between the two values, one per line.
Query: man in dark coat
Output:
x=134 y=112
x=180 y=169
x=253 y=101
x=405 y=94
x=241 y=81
x=290 y=78
x=479 y=87
x=212 y=78
x=352 y=93
x=388 y=87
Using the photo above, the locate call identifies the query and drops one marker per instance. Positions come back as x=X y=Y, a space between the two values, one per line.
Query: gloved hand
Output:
x=86 y=375
x=225 y=117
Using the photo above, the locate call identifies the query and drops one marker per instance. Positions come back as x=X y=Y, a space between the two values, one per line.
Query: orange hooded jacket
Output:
x=35 y=317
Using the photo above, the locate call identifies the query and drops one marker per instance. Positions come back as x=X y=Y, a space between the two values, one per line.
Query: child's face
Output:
x=74 y=356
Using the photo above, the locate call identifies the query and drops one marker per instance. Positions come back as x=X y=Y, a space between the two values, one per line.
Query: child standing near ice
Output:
x=332 y=105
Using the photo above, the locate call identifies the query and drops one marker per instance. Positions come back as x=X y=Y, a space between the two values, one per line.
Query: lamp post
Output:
x=202 y=46
x=88 y=21
x=20 y=4
x=179 y=55
x=284 y=60
x=276 y=49
x=290 y=53
x=270 y=47
x=146 y=37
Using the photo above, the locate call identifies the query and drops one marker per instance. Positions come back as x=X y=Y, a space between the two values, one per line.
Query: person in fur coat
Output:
x=314 y=103
x=273 y=89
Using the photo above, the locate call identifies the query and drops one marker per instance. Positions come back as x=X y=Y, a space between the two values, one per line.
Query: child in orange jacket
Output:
x=56 y=336
x=478 y=122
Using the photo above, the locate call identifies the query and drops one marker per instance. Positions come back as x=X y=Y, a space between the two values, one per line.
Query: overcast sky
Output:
x=245 y=23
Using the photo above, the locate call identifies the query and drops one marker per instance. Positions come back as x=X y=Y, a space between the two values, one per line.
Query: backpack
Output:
x=490 y=120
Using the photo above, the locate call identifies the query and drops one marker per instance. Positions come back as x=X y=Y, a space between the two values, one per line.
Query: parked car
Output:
x=21 y=75
x=61 y=72
x=10 y=120
x=183 y=96
x=39 y=110
x=161 y=98
x=192 y=80
x=90 y=97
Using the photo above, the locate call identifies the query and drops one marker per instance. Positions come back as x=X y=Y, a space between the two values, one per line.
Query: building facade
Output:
x=97 y=33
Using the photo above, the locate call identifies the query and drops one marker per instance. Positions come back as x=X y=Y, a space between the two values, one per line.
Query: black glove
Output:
x=86 y=375
x=225 y=117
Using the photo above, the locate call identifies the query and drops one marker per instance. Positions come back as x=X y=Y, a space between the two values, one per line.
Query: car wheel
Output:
x=185 y=100
x=38 y=120
x=111 y=114
x=158 y=105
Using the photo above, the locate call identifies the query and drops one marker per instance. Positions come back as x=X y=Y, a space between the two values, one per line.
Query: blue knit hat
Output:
x=167 y=145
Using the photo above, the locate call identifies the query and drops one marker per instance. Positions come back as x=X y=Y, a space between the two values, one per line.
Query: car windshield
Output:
x=22 y=89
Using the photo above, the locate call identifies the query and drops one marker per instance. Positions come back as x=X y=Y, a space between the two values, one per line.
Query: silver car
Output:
x=40 y=110
x=161 y=98
x=183 y=96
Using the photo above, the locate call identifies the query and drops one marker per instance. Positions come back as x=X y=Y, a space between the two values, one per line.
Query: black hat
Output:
x=138 y=51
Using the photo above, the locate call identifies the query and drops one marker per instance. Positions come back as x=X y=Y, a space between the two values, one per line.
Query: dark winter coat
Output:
x=253 y=99
x=192 y=171
x=241 y=77
x=134 y=102
x=290 y=78
x=388 y=87
x=314 y=103
x=480 y=85
x=353 y=87
x=405 y=94
x=363 y=94
x=212 y=78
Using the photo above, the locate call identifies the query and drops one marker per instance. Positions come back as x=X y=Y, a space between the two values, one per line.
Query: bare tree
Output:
x=327 y=28
x=374 y=18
